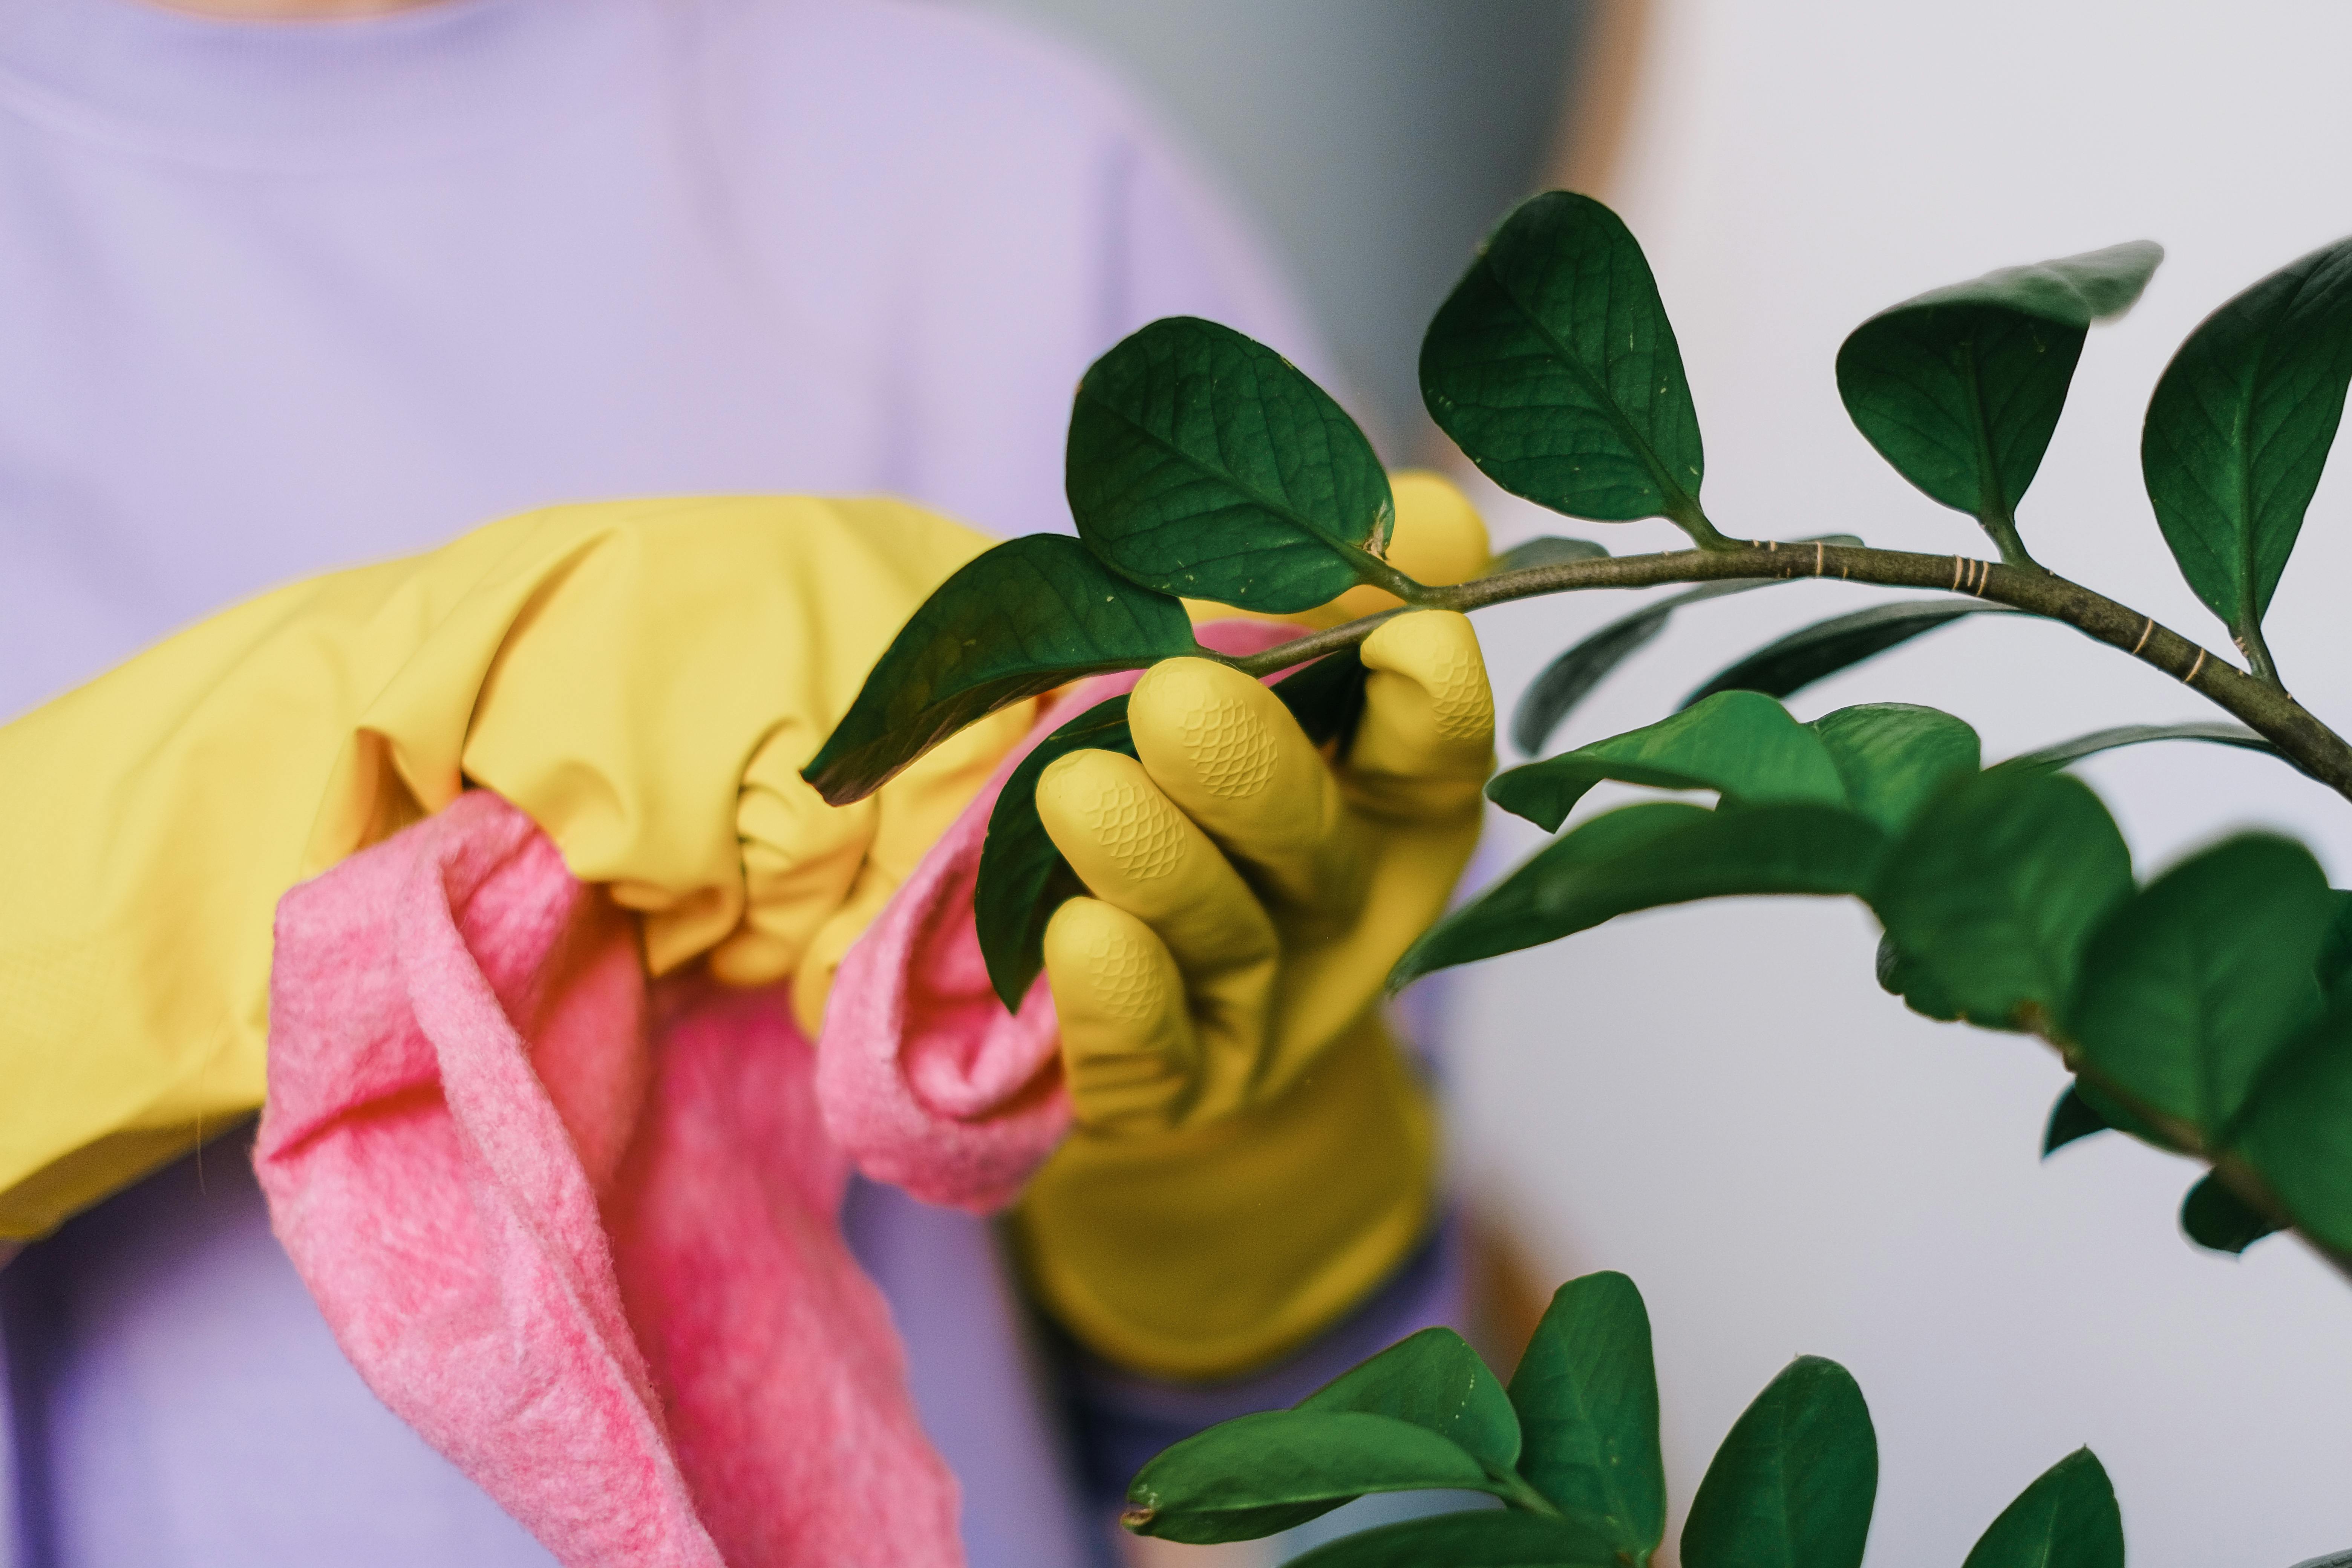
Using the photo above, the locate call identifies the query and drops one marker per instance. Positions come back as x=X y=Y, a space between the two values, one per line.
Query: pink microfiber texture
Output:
x=582 y=1232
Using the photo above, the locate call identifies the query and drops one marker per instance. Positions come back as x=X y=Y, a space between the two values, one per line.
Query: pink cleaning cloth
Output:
x=582 y=1232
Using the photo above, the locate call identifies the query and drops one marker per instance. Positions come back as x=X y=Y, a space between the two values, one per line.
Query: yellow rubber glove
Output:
x=1253 y=1155
x=644 y=680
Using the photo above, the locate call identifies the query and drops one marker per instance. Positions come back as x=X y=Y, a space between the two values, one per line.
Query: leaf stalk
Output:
x=2262 y=705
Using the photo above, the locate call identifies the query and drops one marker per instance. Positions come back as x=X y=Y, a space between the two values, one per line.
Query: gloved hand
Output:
x=1253 y=1155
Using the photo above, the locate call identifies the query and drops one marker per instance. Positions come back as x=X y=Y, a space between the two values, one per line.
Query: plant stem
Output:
x=2278 y=718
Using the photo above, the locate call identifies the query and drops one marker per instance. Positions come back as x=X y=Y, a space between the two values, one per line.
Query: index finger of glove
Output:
x=1228 y=752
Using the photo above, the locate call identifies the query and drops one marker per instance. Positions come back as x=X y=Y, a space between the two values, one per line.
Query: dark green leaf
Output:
x=1587 y=1393
x=2335 y=952
x=1258 y=1474
x=2098 y=741
x=1434 y=1380
x=1644 y=856
x=2333 y=1560
x=1549 y=551
x=2296 y=1127
x=1022 y=878
x=1893 y=757
x=2066 y=1519
x=2189 y=987
x=2119 y=1115
x=1020 y=620
x=1204 y=464
x=1790 y=664
x=1484 y=1539
x=2239 y=429
x=2214 y=1216
x=1898 y=976
x=1793 y=1484
x=1744 y=745
x=2073 y=1118
x=1960 y=388
x=1326 y=697
x=1553 y=367
x=1993 y=892
x=1569 y=678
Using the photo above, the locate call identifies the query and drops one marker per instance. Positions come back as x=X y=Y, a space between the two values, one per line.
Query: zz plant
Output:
x=2208 y=1010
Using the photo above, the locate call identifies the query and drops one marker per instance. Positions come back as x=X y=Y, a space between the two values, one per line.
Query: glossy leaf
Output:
x=1893 y=757
x=1016 y=622
x=2238 y=430
x=1790 y=664
x=2296 y=1129
x=1961 y=387
x=1551 y=550
x=2215 y=1217
x=2189 y=987
x=1434 y=1380
x=1645 y=855
x=1569 y=678
x=1587 y=1395
x=2067 y=753
x=1490 y=1539
x=1793 y=1484
x=1744 y=745
x=1995 y=887
x=1204 y=464
x=1554 y=368
x=1259 y=1474
x=1023 y=878
x=2072 y=1120
x=2066 y=1519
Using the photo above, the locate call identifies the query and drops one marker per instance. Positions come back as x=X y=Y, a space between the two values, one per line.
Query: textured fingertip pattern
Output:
x=1128 y=985
x=1462 y=708
x=1232 y=752
x=1136 y=828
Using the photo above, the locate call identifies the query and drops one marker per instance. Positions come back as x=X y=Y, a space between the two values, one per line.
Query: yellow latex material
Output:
x=644 y=679
x=1251 y=1154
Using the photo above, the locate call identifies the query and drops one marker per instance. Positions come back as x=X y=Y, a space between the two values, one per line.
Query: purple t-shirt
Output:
x=284 y=297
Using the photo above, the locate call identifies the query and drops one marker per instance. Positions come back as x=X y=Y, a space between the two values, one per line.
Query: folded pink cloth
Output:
x=582 y=1232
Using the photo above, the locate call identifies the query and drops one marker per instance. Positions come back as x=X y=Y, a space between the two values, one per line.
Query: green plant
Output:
x=2207 y=1011
x=1571 y=1451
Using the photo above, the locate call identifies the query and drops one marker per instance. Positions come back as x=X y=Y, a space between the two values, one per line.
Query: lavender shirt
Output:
x=281 y=299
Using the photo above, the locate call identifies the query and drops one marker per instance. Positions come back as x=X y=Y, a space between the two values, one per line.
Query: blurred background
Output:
x=1719 y=1099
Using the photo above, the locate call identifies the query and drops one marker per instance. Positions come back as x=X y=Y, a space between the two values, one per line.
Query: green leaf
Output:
x=2296 y=1127
x=1547 y=550
x=2098 y=741
x=1553 y=367
x=1899 y=976
x=1018 y=621
x=1259 y=1474
x=1587 y=1394
x=1022 y=878
x=1744 y=745
x=1642 y=856
x=1204 y=464
x=2066 y=1519
x=1993 y=892
x=1793 y=1484
x=1893 y=757
x=2335 y=952
x=1434 y=1380
x=2072 y=1120
x=1787 y=665
x=2190 y=986
x=2119 y=1115
x=1961 y=387
x=1484 y=1539
x=1569 y=678
x=1326 y=697
x=2238 y=430
x=2215 y=1217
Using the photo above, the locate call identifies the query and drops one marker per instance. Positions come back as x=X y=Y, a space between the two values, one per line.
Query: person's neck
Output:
x=290 y=10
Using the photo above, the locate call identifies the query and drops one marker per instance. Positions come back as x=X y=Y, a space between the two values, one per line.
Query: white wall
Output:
x=1719 y=1099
